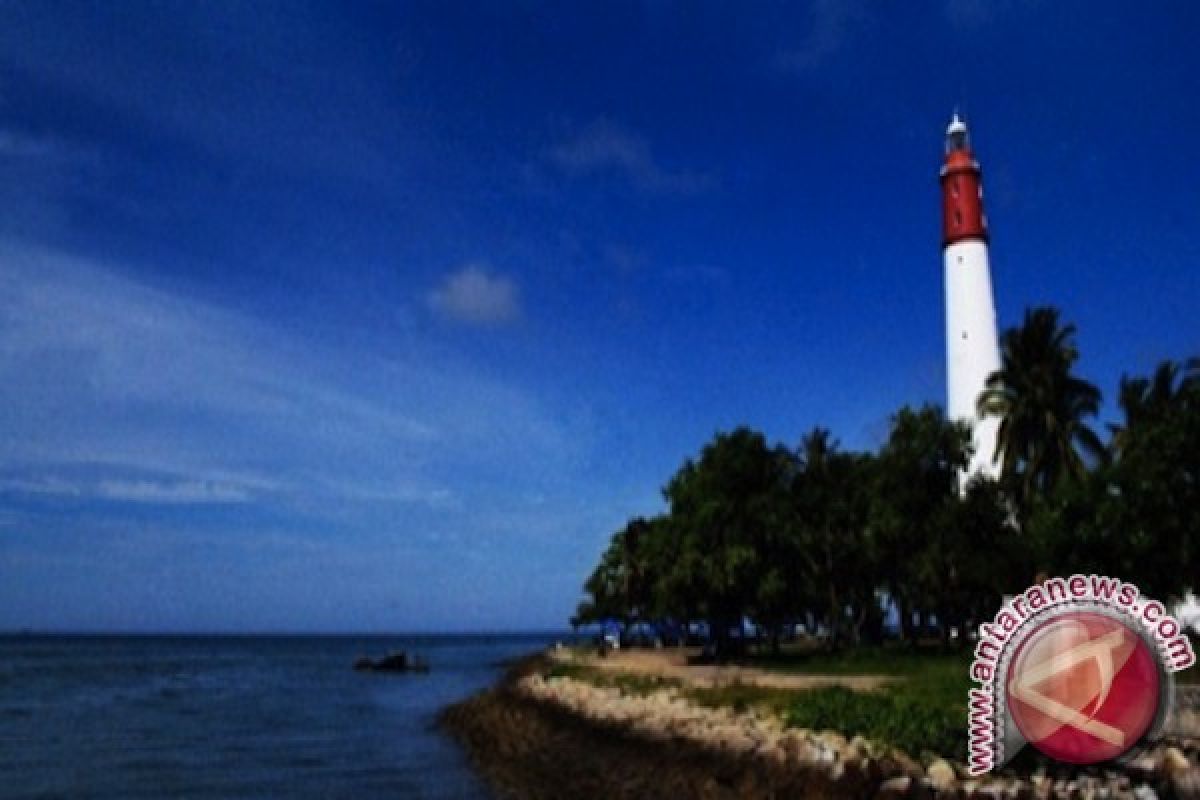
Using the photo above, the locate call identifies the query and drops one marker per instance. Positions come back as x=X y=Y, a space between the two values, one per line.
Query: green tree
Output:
x=602 y=587
x=1153 y=491
x=783 y=582
x=971 y=558
x=1136 y=516
x=621 y=586
x=659 y=555
x=916 y=483
x=724 y=506
x=831 y=496
x=1042 y=404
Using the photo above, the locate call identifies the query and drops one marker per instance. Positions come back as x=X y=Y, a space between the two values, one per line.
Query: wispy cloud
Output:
x=477 y=296
x=188 y=492
x=40 y=486
x=604 y=146
x=625 y=259
x=117 y=391
x=266 y=116
x=146 y=491
x=15 y=144
x=830 y=24
x=698 y=274
x=972 y=14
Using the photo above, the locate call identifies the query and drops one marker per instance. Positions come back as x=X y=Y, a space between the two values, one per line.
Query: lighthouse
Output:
x=972 y=353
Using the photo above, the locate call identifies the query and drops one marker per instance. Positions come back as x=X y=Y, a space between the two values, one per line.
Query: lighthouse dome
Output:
x=956 y=135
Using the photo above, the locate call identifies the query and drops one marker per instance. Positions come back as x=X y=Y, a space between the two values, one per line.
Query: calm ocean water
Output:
x=207 y=717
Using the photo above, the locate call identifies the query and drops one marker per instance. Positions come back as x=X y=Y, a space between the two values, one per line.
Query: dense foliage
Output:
x=817 y=535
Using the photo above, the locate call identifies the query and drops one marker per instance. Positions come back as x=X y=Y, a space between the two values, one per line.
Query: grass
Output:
x=628 y=682
x=913 y=721
x=743 y=697
x=923 y=712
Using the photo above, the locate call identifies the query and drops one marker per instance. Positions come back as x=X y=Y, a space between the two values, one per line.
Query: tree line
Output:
x=818 y=534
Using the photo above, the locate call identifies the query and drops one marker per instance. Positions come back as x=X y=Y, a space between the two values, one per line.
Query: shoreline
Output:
x=530 y=747
x=538 y=737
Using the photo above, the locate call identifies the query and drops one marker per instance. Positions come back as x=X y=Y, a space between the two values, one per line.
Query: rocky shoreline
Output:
x=538 y=737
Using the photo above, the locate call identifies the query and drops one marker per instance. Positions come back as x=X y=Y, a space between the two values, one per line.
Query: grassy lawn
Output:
x=926 y=711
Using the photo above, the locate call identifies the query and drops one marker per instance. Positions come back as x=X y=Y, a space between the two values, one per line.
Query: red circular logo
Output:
x=1083 y=687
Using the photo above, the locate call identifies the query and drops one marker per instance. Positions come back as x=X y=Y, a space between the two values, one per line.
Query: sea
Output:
x=238 y=716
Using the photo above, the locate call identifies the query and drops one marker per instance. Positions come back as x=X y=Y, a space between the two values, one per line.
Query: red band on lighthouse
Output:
x=962 y=189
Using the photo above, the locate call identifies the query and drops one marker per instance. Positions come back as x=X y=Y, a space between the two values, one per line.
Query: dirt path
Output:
x=672 y=663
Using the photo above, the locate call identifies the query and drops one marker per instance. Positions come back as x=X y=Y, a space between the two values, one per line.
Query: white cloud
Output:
x=475 y=296
x=605 y=146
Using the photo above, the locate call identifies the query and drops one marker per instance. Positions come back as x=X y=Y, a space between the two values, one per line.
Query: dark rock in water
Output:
x=392 y=662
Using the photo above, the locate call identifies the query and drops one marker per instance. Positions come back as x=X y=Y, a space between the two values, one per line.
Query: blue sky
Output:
x=383 y=317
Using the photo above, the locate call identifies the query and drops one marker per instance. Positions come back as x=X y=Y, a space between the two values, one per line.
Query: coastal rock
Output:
x=991 y=790
x=1173 y=760
x=833 y=740
x=754 y=755
x=735 y=741
x=1185 y=783
x=851 y=778
x=941 y=775
x=897 y=788
x=897 y=761
x=1145 y=765
x=1022 y=790
x=773 y=754
x=798 y=747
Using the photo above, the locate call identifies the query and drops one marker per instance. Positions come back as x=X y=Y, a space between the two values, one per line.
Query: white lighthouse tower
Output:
x=971 y=350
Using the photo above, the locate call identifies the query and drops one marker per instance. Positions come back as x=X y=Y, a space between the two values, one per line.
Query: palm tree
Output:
x=1042 y=438
x=1150 y=398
